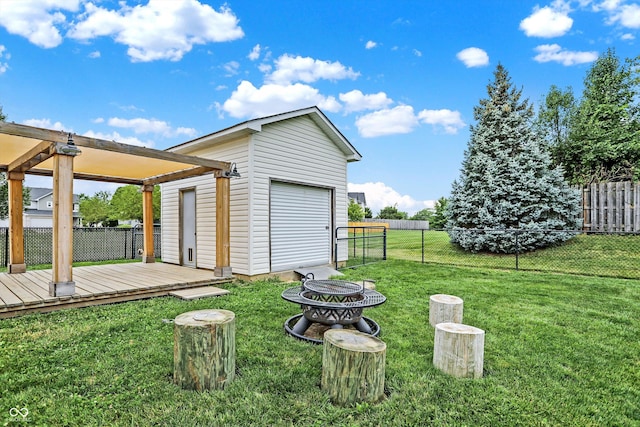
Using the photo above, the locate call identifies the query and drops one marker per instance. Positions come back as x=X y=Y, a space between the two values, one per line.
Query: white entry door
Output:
x=188 y=228
x=301 y=221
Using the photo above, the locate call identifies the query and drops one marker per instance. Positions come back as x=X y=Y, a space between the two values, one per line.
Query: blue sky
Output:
x=398 y=78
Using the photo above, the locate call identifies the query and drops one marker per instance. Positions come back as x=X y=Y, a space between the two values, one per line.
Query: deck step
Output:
x=201 y=292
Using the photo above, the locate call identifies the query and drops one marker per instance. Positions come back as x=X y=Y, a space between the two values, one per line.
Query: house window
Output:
x=50 y=204
x=76 y=207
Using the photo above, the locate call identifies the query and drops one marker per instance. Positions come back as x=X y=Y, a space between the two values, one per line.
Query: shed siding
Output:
x=296 y=151
x=236 y=151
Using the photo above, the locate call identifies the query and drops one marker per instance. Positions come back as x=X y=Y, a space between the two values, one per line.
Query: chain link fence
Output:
x=615 y=254
x=89 y=244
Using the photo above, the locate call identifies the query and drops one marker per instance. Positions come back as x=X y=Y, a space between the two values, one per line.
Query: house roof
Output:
x=27 y=149
x=37 y=193
x=358 y=197
x=255 y=125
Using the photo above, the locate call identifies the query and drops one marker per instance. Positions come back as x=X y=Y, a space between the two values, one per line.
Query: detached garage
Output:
x=291 y=196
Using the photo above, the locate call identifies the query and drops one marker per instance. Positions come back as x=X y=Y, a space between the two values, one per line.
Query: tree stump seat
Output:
x=353 y=367
x=204 y=349
x=458 y=350
x=445 y=308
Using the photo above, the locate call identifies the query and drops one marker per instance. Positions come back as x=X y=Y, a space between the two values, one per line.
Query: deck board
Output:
x=98 y=284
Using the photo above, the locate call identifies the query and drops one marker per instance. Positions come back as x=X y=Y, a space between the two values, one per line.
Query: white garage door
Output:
x=300 y=226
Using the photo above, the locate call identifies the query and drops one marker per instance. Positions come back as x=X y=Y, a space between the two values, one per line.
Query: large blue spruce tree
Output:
x=507 y=182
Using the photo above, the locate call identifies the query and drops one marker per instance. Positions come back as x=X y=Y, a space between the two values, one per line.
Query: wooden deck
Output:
x=99 y=284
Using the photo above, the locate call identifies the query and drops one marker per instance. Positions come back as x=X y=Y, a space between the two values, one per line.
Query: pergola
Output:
x=65 y=156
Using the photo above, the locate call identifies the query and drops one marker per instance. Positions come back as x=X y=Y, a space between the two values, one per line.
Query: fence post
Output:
x=6 y=247
x=364 y=252
x=422 y=245
x=517 y=249
x=384 y=244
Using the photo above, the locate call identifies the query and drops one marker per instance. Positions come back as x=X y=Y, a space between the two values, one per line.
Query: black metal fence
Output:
x=89 y=244
x=588 y=253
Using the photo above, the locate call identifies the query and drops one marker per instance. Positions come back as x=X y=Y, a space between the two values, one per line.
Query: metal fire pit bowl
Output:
x=333 y=303
x=328 y=315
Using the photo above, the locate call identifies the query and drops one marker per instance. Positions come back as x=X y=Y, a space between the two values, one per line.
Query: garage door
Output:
x=300 y=226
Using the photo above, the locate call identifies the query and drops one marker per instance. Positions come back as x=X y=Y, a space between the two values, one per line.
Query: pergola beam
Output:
x=101 y=144
x=33 y=157
x=173 y=176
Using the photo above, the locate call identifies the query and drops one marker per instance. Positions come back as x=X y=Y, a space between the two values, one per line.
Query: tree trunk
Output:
x=444 y=309
x=204 y=349
x=459 y=350
x=353 y=366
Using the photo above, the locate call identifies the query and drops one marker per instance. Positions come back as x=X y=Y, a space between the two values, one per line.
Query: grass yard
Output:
x=559 y=350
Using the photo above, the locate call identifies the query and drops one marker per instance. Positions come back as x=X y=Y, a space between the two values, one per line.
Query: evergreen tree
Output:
x=507 y=181
x=604 y=140
x=439 y=219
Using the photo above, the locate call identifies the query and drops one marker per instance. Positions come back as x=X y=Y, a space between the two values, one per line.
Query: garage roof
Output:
x=30 y=149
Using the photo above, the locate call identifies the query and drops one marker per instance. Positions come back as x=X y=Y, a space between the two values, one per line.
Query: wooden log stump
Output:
x=458 y=350
x=445 y=308
x=353 y=366
x=204 y=349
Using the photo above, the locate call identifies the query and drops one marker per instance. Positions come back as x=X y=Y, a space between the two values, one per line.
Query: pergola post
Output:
x=223 y=245
x=62 y=283
x=147 y=224
x=16 y=226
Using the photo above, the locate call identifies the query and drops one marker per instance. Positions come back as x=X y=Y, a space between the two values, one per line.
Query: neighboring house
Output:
x=358 y=198
x=39 y=213
x=284 y=208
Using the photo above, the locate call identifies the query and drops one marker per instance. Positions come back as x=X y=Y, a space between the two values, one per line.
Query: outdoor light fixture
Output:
x=232 y=172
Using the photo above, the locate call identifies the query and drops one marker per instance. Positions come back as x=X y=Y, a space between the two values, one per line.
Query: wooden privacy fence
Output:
x=611 y=206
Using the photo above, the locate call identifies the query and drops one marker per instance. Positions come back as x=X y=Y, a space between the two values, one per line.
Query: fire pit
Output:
x=334 y=303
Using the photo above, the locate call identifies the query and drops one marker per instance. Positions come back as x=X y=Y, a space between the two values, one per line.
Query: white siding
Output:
x=296 y=151
x=205 y=186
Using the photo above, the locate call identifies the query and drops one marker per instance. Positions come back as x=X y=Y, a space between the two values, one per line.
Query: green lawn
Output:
x=559 y=350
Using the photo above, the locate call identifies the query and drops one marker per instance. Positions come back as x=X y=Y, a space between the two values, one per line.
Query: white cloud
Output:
x=255 y=53
x=98 y=120
x=397 y=120
x=37 y=20
x=546 y=22
x=473 y=57
x=140 y=125
x=4 y=66
x=627 y=15
x=94 y=54
x=401 y=120
x=370 y=44
x=355 y=100
x=417 y=53
x=46 y=124
x=451 y=121
x=290 y=69
x=627 y=36
x=231 y=68
x=159 y=30
x=115 y=136
x=379 y=196
x=554 y=53
x=249 y=101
